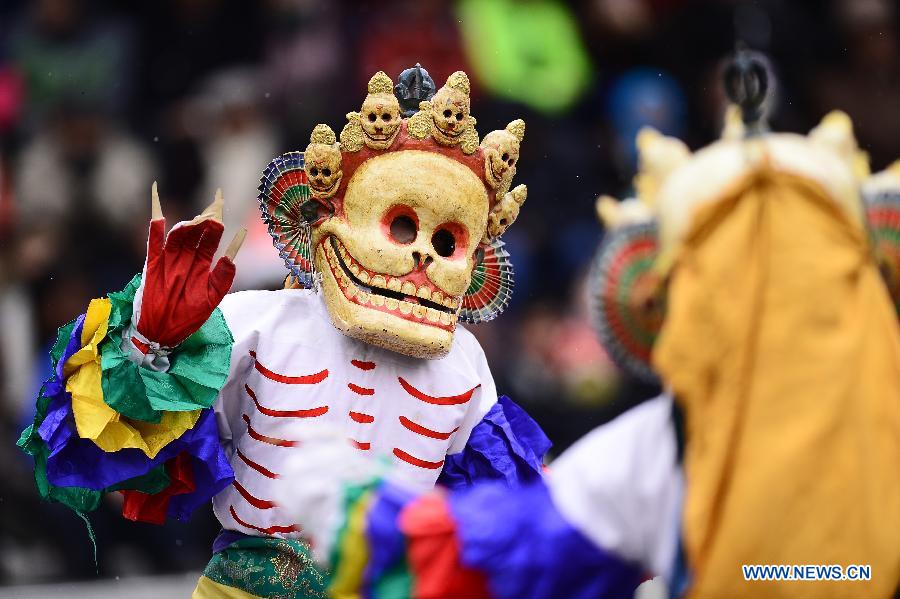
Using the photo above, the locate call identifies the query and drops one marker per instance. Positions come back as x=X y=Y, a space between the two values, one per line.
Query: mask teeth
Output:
x=364 y=295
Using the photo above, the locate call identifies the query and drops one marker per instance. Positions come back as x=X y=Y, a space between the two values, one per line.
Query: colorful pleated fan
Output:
x=282 y=194
x=491 y=286
x=621 y=274
x=883 y=214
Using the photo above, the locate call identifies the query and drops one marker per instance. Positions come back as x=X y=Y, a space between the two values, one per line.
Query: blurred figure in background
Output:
x=866 y=80
x=528 y=51
x=305 y=65
x=62 y=50
x=82 y=187
x=393 y=35
x=237 y=142
x=643 y=97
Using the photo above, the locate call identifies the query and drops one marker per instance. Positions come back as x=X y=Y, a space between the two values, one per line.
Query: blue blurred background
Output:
x=99 y=98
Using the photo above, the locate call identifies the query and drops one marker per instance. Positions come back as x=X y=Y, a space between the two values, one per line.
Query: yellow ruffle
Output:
x=354 y=553
x=95 y=420
x=208 y=588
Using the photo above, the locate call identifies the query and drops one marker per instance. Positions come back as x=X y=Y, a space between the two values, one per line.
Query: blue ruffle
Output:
x=528 y=550
x=506 y=445
x=383 y=532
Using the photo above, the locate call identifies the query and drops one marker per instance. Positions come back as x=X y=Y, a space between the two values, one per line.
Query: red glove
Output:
x=178 y=291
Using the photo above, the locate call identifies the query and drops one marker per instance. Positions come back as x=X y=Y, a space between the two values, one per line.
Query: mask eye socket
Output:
x=505 y=157
x=447 y=114
x=459 y=116
x=326 y=172
x=444 y=243
x=403 y=229
x=372 y=117
x=314 y=172
x=386 y=117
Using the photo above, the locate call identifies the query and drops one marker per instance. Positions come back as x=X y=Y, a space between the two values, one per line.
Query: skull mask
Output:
x=501 y=152
x=398 y=257
x=396 y=249
x=323 y=163
x=450 y=110
x=379 y=116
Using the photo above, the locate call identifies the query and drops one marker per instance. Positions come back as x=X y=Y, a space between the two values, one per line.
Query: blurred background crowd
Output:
x=99 y=98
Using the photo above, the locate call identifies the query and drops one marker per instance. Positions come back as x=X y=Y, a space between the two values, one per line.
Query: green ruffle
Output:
x=397 y=581
x=198 y=369
x=352 y=495
x=151 y=483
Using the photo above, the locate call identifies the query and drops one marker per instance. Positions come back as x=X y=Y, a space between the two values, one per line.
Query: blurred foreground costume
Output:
x=392 y=235
x=748 y=269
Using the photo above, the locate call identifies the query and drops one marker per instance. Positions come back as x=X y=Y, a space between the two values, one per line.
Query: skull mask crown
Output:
x=378 y=121
x=501 y=150
x=450 y=109
x=323 y=163
x=411 y=206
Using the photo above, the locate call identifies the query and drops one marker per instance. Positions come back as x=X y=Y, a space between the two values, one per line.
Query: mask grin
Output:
x=399 y=296
x=381 y=139
x=328 y=191
x=496 y=176
x=447 y=137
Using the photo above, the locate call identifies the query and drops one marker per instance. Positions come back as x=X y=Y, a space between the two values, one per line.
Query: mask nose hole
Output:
x=420 y=262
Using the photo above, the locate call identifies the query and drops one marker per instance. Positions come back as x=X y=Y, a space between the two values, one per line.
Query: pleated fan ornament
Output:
x=883 y=215
x=283 y=196
x=491 y=287
x=622 y=273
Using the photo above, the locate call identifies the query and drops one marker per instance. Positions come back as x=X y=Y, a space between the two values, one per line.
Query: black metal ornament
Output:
x=747 y=84
x=414 y=85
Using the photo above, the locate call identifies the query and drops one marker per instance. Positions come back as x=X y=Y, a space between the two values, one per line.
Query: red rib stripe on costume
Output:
x=361 y=445
x=310 y=413
x=266 y=531
x=258 y=467
x=450 y=400
x=360 y=390
x=410 y=459
x=425 y=432
x=261 y=504
x=306 y=379
x=264 y=439
x=363 y=365
x=362 y=418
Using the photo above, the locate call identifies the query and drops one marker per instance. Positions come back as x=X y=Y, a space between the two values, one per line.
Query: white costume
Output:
x=292 y=372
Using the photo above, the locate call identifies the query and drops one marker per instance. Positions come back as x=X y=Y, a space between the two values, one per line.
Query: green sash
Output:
x=267 y=567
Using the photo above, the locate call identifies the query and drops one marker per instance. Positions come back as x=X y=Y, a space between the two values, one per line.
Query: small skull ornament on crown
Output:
x=405 y=214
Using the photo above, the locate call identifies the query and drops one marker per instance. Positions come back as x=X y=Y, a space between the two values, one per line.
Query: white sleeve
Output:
x=235 y=307
x=621 y=486
x=485 y=395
